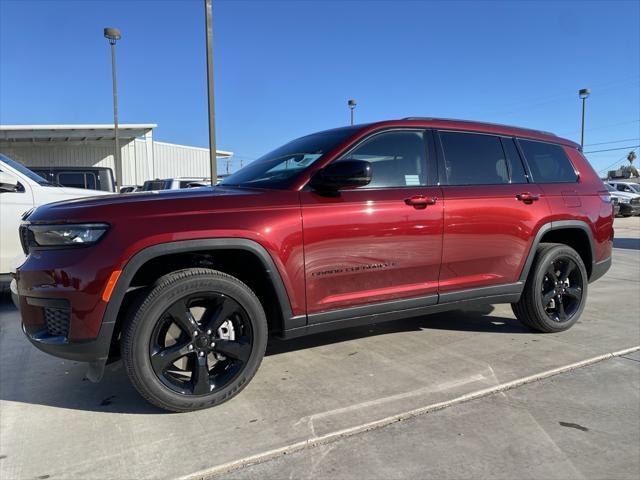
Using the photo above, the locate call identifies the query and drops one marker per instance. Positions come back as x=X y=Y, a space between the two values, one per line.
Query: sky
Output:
x=285 y=69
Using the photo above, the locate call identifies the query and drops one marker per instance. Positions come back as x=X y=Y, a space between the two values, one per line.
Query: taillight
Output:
x=605 y=196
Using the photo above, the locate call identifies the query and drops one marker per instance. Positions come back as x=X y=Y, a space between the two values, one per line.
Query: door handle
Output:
x=527 y=197
x=420 y=201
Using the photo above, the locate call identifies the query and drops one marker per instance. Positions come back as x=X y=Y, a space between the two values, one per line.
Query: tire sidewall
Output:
x=145 y=320
x=538 y=277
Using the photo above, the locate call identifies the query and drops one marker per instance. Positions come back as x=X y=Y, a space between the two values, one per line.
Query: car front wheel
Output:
x=195 y=341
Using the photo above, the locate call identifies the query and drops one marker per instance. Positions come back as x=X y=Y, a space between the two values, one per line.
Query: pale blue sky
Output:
x=284 y=69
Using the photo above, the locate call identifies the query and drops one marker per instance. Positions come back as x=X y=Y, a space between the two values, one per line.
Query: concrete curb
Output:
x=347 y=432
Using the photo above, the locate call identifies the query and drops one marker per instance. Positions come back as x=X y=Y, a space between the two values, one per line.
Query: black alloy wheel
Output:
x=555 y=292
x=562 y=288
x=194 y=339
x=201 y=343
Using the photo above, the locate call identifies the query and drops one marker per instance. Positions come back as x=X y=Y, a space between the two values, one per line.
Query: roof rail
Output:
x=480 y=123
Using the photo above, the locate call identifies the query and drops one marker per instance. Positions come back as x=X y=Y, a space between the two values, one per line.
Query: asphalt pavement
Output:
x=392 y=395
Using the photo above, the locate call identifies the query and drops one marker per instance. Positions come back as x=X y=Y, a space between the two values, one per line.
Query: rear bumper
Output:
x=599 y=269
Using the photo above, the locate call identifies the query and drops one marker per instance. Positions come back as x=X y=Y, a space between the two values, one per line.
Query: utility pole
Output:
x=212 y=114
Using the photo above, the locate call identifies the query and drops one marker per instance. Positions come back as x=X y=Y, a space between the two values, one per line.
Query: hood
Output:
x=624 y=194
x=151 y=204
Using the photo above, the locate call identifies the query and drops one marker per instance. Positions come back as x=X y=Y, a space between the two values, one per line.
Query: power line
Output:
x=614 y=163
x=612 y=149
x=612 y=141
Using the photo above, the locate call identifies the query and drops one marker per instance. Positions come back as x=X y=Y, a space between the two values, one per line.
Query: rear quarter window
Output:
x=548 y=162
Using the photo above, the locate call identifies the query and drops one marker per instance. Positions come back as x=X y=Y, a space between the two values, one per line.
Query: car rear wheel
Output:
x=195 y=341
x=555 y=293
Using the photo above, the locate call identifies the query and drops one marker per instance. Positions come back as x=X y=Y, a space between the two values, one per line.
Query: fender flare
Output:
x=557 y=225
x=141 y=257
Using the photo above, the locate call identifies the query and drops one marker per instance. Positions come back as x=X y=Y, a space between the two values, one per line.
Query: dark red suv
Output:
x=339 y=228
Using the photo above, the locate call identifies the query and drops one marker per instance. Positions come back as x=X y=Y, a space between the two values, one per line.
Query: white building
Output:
x=93 y=146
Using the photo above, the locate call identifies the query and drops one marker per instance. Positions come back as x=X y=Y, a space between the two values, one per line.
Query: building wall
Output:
x=169 y=160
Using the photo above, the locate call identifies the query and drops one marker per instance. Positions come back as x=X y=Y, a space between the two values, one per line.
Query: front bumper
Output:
x=629 y=209
x=52 y=340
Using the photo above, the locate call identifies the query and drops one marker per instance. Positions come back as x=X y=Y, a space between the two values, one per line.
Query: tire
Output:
x=196 y=340
x=539 y=306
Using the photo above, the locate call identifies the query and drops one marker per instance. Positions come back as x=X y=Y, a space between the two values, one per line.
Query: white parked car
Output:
x=625 y=186
x=174 y=183
x=20 y=191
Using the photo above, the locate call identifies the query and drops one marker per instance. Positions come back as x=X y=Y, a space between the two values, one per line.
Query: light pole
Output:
x=113 y=35
x=583 y=93
x=208 y=15
x=352 y=105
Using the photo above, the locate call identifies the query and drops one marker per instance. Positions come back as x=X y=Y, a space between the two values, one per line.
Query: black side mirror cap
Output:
x=342 y=174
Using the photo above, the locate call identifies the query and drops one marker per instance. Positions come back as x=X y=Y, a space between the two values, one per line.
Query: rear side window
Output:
x=548 y=162
x=473 y=159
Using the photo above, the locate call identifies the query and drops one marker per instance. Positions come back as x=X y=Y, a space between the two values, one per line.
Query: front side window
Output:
x=279 y=168
x=548 y=162
x=397 y=158
x=473 y=159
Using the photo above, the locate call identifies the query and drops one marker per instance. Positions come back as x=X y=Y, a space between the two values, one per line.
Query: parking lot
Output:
x=458 y=381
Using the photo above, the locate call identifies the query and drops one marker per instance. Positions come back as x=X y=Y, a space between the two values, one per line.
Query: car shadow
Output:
x=63 y=384
x=476 y=320
x=627 y=243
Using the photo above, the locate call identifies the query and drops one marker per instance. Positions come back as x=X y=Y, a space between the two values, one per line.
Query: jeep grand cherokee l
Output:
x=344 y=227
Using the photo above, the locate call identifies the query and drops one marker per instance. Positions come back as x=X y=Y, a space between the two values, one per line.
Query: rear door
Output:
x=490 y=211
x=381 y=242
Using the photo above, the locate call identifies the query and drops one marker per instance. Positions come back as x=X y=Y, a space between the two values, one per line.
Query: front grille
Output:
x=56 y=321
x=635 y=201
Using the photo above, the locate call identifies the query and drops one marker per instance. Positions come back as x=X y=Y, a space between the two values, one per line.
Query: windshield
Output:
x=24 y=171
x=279 y=168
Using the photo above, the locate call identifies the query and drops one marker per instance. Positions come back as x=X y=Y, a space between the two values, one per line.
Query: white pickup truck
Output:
x=20 y=191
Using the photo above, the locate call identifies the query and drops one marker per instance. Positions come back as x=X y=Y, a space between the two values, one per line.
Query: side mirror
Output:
x=344 y=174
x=8 y=183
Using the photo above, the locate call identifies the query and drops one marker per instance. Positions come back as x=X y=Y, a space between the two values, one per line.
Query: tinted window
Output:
x=472 y=159
x=90 y=180
x=23 y=170
x=517 y=173
x=548 y=162
x=72 y=179
x=397 y=159
x=279 y=168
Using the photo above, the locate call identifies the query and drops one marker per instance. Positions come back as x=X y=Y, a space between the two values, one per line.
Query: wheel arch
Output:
x=575 y=233
x=117 y=306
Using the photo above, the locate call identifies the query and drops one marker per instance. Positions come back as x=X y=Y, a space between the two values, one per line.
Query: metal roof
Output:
x=68 y=133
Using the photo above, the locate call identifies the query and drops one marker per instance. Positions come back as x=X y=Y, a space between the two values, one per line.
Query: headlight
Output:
x=66 y=235
x=625 y=200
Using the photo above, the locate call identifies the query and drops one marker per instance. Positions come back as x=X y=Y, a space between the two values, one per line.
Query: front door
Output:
x=381 y=242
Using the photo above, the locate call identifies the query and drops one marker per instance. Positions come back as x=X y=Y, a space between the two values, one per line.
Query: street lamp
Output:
x=583 y=93
x=352 y=105
x=113 y=35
